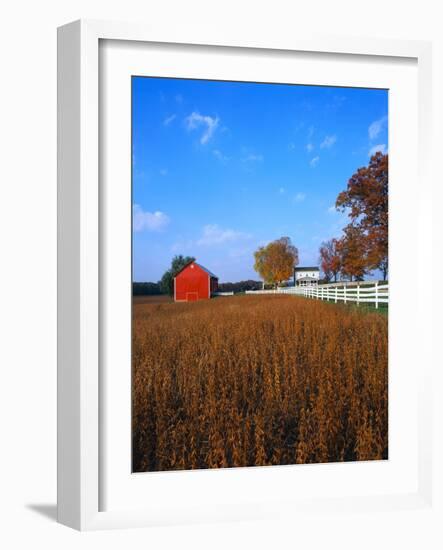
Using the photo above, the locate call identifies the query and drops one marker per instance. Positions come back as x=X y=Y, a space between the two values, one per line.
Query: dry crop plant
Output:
x=257 y=380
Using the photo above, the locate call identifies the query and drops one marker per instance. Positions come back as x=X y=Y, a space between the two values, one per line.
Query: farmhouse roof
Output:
x=306 y=269
x=200 y=266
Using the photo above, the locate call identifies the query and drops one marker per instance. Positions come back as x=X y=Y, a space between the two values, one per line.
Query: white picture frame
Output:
x=80 y=262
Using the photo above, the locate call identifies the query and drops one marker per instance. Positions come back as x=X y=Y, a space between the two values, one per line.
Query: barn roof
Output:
x=200 y=266
x=207 y=270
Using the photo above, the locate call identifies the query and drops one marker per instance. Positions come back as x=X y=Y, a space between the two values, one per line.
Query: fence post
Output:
x=358 y=294
x=376 y=295
x=344 y=293
x=335 y=294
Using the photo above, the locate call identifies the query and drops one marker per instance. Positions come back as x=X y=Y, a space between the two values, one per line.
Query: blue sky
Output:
x=220 y=168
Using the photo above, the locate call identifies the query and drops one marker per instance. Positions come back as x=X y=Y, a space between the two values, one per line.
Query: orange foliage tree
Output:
x=330 y=259
x=275 y=262
x=366 y=198
x=352 y=249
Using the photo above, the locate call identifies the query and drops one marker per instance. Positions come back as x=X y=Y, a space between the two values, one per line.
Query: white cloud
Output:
x=376 y=127
x=309 y=147
x=380 y=147
x=163 y=172
x=328 y=142
x=332 y=209
x=195 y=120
x=314 y=161
x=299 y=197
x=168 y=120
x=253 y=158
x=220 y=156
x=282 y=190
x=148 y=221
x=214 y=234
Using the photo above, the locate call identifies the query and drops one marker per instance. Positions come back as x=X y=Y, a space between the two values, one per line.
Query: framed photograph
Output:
x=236 y=218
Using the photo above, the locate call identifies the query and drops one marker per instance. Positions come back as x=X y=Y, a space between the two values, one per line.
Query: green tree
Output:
x=177 y=263
x=275 y=262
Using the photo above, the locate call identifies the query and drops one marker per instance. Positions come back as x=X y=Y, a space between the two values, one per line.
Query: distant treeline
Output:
x=241 y=286
x=150 y=289
x=146 y=289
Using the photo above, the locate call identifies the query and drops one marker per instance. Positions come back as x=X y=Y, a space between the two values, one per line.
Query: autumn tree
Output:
x=366 y=199
x=275 y=262
x=177 y=263
x=352 y=250
x=330 y=260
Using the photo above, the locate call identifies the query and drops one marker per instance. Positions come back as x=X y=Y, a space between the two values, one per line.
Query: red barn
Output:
x=194 y=282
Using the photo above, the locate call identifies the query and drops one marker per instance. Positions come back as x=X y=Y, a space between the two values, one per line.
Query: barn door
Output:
x=191 y=296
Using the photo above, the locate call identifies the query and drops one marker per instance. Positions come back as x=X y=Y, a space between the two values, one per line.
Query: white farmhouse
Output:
x=306 y=276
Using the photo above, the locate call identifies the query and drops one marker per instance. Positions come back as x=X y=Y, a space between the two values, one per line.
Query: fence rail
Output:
x=369 y=294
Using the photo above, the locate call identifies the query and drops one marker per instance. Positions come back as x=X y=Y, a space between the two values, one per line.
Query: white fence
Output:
x=375 y=293
x=223 y=294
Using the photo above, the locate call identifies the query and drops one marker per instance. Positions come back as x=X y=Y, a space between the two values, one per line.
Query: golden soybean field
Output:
x=257 y=380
